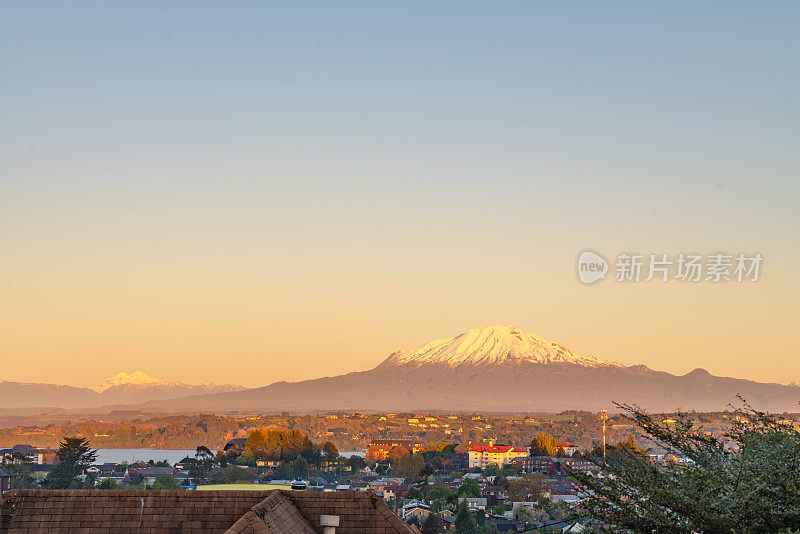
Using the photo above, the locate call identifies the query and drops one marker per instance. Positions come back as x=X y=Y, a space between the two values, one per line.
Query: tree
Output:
x=200 y=470
x=300 y=468
x=330 y=452
x=522 y=514
x=410 y=466
x=414 y=493
x=491 y=470
x=396 y=453
x=356 y=463
x=432 y=525
x=480 y=518
x=440 y=492
x=165 y=482
x=629 y=442
x=20 y=467
x=469 y=488
x=73 y=456
x=231 y=475
x=108 y=484
x=284 y=471
x=745 y=480
x=527 y=488
x=278 y=444
x=465 y=523
x=543 y=445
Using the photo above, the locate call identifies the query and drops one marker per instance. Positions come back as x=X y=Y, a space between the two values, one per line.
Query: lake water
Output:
x=117 y=456
x=145 y=455
x=348 y=454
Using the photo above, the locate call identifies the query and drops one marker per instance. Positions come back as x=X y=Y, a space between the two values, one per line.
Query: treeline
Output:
x=278 y=444
x=174 y=432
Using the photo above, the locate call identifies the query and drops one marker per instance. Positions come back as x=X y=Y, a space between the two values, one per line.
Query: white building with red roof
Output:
x=483 y=455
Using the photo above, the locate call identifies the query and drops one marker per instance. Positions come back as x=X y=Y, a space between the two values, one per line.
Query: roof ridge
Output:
x=280 y=514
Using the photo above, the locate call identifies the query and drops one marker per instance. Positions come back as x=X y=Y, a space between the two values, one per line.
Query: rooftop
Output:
x=237 y=512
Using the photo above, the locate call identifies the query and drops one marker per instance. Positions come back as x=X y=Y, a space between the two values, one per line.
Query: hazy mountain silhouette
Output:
x=495 y=368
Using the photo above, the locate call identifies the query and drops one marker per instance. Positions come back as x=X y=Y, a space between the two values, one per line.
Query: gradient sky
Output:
x=249 y=192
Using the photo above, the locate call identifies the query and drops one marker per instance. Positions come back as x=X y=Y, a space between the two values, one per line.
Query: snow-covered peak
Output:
x=492 y=345
x=136 y=377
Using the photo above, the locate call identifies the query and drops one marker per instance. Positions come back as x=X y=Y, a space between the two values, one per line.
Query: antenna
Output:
x=605 y=416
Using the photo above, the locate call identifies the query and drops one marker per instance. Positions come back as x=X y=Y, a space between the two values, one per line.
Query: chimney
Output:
x=329 y=523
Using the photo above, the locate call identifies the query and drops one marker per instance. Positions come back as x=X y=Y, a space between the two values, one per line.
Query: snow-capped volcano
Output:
x=136 y=377
x=492 y=345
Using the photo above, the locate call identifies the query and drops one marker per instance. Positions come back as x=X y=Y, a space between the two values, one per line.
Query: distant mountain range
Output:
x=494 y=368
x=121 y=389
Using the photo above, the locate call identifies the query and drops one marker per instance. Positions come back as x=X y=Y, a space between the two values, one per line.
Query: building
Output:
x=34 y=454
x=235 y=446
x=417 y=509
x=579 y=464
x=195 y=512
x=5 y=482
x=474 y=503
x=147 y=475
x=483 y=455
x=548 y=465
x=569 y=448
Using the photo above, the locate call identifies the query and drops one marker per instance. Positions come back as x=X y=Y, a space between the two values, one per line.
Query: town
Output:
x=504 y=474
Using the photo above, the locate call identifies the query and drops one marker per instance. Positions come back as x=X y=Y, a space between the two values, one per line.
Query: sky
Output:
x=246 y=192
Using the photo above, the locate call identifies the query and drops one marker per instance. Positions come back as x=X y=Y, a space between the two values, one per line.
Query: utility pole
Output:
x=605 y=416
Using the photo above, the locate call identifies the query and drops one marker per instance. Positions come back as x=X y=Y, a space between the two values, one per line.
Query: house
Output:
x=494 y=494
x=474 y=503
x=186 y=463
x=483 y=455
x=548 y=465
x=528 y=505
x=107 y=470
x=448 y=520
x=580 y=465
x=40 y=471
x=34 y=454
x=5 y=481
x=235 y=445
x=569 y=498
x=568 y=447
x=195 y=512
x=415 y=508
x=148 y=474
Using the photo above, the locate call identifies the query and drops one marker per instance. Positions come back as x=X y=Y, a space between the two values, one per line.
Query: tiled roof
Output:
x=152 y=512
x=153 y=471
x=494 y=449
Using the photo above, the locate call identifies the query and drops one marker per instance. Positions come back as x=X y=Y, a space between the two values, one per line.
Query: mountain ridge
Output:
x=122 y=389
x=494 y=368
x=487 y=369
